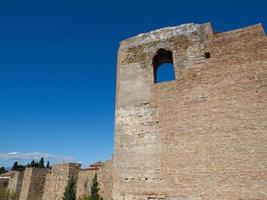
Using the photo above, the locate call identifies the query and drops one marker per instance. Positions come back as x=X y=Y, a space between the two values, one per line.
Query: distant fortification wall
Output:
x=105 y=179
x=15 y=183
x=57 y=179
x=45 y=184
x=33 y=183
x=104 y=176
x=202 y=136
x=84 y=182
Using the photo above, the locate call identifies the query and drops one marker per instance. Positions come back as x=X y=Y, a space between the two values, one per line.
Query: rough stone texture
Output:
x=57 y=179
x=15 y=183
x=105 y=180
x=33 y=183
x=84 y=182
x=3 y=183
x=104 y=176
x=202 y=136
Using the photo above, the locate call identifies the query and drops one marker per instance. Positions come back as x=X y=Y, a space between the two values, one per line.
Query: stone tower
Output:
x=201 y=136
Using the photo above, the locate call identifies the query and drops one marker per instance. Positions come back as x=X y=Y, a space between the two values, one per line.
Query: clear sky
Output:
x=58 y=67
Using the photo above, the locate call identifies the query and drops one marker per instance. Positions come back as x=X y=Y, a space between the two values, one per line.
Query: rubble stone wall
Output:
x=104 y=177
x=3 y=183
x=202 y=136
x=84 y=182
x=33 y=183
x=57 y=179
x=15 y=183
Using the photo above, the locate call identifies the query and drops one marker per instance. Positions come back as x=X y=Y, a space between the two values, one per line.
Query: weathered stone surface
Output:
x=57 y=179
x=33 y=183
x=15 y=183
x=202 y=136
x=84 y=182
x=104 y=176
x=105 y=180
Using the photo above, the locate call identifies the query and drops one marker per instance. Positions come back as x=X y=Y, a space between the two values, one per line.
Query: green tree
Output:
x=48 y=165
x=2 y=170
x=32 y=163
x=70 y=190
x=41 y=163
x=95 y=189
x=15 y=166
x=36 y=164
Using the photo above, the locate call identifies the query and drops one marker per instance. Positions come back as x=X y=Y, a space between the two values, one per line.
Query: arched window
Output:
x=163 y=66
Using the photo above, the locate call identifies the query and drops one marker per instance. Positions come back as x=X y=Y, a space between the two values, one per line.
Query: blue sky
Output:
x=58 y=68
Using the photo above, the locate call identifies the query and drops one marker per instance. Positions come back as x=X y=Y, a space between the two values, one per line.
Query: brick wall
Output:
x=202 y=136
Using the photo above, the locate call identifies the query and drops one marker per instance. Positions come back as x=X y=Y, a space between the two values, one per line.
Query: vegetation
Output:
x=2 y=170
x=6 y=195
x=94 y=195
x=84 y=197
x=41 y=163
x=33 y=163
x=48 y=165
x=17 y=167
x=94 y=190
x=70 y=190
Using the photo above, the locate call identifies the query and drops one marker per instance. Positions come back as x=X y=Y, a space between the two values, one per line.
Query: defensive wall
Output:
x=201 y=136
x=50 y=184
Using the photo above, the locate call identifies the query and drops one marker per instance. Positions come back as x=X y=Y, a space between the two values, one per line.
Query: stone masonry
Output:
x=202 y=136
x=104 y=177
x=50 y=184
x=15 y=183
x=84 y=182
x=105 y=180
x=57 y=179
x=33 y=183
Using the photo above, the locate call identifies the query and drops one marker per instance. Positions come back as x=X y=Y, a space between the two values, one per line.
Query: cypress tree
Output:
x=2 y=170
x=95 y=189
x=36 y=164
x=32 y=163
x=70 y=190
x=41 y=163
x=48 y=165
x=15 y=166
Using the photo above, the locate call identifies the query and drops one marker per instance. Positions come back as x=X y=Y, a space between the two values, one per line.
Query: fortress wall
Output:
x=213 y=122
x=33 y=183
x=84 y=182
x=202 y=136
x=3 y=183
x=105 y=180
x=104 y=177
x=15 y=183
x=57 y=179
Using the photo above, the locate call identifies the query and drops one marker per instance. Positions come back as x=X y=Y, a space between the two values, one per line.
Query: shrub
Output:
x=6 y=195
x=70 y=190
